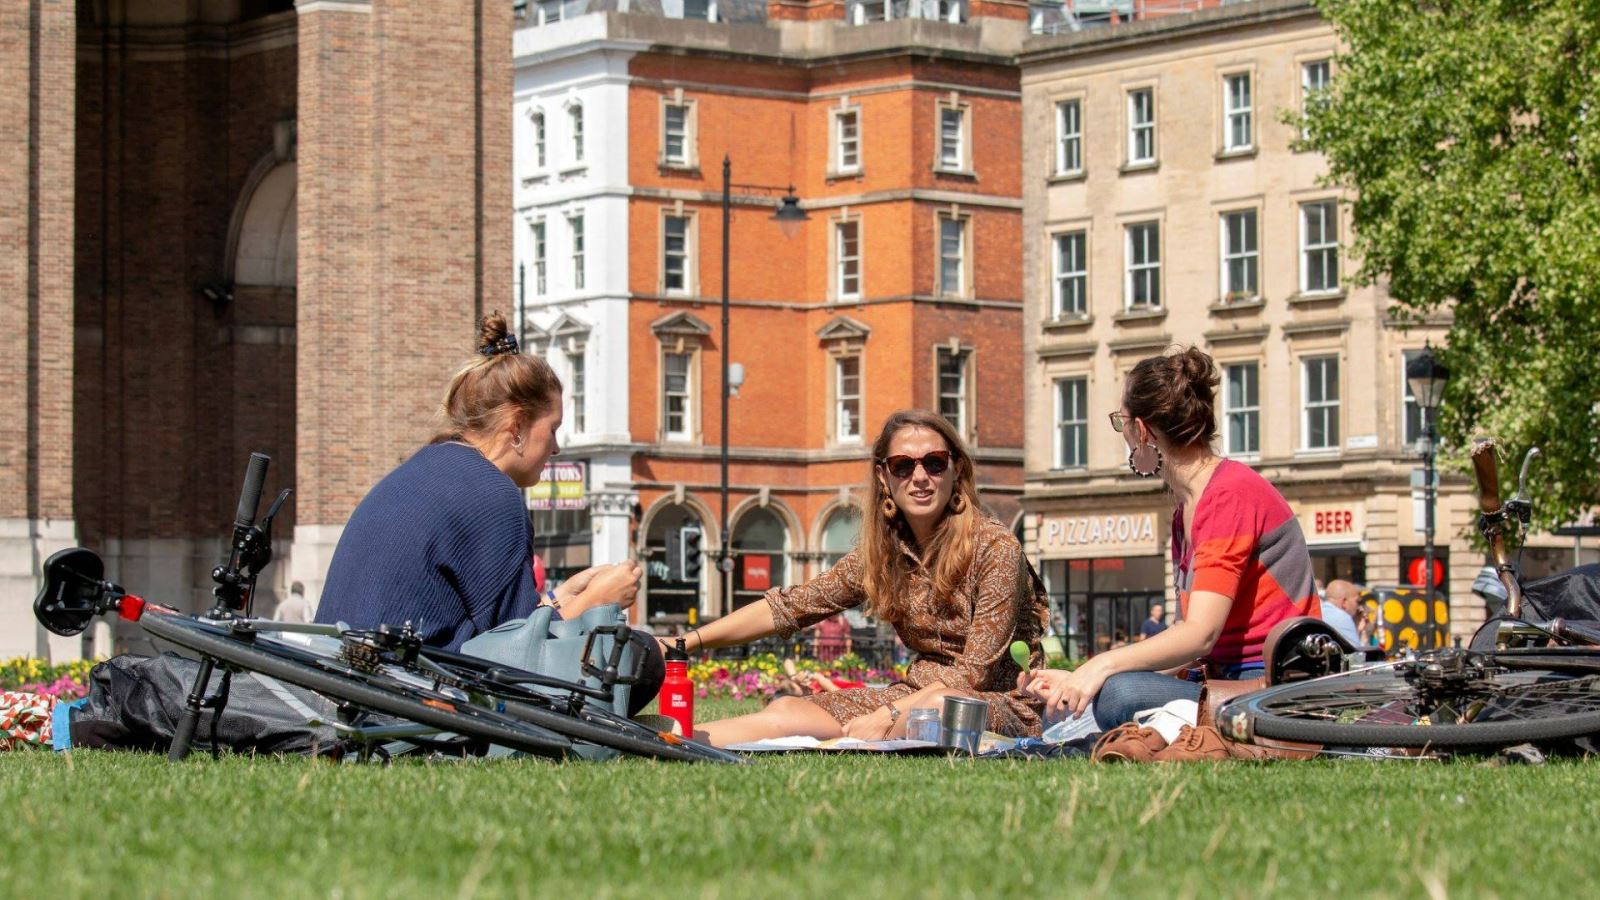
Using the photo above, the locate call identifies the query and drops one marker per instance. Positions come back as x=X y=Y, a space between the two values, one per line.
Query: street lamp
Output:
x=790 y=218
x=1427 y=377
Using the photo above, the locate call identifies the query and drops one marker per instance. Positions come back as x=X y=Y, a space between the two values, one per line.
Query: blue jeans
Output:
x=1126 y=693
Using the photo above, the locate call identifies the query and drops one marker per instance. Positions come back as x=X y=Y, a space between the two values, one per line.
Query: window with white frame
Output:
x=1072 y=423
x=952 y=256
x=1141 y=126
x=576 y=391
x=575 y=225
x=1071 y=298
x=676 y=134
x=952 y=375
x=541 y=280
x=575 y=125
x=536 y=129
x=1241 y=409
x=847 y=141
x=847 y=259
x=700 y=10
x=1320 y=388
x=675 y=275
x=1143 y=253
x=1314 y=79
x=847 y=398
x=1239 y=116
x=1319 y=247
x=549 y=11
x=1069 y=137
x=1411 y=425
x=676 y=411
x=1240 y=256
x=952 y=137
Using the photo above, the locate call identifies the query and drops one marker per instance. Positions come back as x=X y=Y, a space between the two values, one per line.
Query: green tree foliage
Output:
x=1468 y=132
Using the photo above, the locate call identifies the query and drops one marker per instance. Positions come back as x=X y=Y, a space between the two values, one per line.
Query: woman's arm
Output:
x=783 y=611
x=743 y=625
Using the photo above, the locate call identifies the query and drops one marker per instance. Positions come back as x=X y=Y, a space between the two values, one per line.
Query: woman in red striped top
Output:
x=1238 y=557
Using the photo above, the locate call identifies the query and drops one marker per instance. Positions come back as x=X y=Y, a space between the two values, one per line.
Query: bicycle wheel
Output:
x=590 y=722
x=386 y=690
x=1381 y=707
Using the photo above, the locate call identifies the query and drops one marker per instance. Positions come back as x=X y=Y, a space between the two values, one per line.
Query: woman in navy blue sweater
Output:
x=444 y=541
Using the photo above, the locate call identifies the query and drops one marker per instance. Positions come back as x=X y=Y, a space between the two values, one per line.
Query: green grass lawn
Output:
x=109 y=824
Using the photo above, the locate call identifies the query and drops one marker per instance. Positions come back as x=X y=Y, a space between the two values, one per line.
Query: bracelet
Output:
x=552 y=600
x=894 y=714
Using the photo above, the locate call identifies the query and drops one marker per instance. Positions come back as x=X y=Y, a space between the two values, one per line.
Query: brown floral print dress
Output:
x=964 y=645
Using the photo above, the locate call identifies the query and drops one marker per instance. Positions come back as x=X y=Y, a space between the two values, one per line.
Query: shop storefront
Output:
x=1334 y=535
x=1104 y=572
x=559 y=509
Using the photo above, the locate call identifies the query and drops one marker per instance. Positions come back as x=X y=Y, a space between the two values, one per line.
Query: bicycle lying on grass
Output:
x=444 y=698
x=1521 y=680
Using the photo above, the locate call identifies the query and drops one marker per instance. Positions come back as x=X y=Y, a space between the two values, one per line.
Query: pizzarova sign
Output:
x=1114 y=534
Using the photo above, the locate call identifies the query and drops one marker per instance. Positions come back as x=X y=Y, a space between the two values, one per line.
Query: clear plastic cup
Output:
x=923 y=725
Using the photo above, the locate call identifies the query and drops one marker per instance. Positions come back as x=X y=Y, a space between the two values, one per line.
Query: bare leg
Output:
x=783 y=717
x=927 y=698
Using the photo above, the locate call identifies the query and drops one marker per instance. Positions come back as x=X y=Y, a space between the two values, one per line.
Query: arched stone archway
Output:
x=265 y=247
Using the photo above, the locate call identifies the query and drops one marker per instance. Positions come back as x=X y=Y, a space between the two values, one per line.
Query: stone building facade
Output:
x=241 y=234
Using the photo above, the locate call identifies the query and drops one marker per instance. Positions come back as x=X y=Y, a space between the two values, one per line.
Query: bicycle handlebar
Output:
x=255 y=475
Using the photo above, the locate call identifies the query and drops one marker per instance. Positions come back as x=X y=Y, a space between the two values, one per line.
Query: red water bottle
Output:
x=677 y=691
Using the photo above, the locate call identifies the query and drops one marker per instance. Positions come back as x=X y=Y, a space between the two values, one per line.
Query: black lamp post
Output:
x=790 y=217
x=1427 y=377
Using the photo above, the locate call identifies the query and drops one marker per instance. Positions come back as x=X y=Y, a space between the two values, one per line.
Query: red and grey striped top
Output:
x=1246 y=544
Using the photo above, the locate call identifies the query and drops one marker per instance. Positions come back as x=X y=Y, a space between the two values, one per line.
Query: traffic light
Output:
x=674 y=555
x=689 y=548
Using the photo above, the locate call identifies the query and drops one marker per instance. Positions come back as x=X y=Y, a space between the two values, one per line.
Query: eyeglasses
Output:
x=1119 y=421
x=934 y=464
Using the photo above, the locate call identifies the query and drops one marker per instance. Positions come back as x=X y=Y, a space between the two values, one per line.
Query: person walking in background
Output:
x=1154 y=625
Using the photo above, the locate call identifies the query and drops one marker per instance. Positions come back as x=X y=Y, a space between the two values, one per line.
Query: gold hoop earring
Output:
x=888 y=508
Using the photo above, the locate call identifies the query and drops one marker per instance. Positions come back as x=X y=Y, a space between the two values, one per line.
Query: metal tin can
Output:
x=963 y=723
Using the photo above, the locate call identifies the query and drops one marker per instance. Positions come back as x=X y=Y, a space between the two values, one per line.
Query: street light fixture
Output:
x=1427 y=377
x=790 y=218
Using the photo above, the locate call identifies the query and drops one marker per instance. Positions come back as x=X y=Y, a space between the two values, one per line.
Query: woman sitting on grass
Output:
x=1238 y=556
x=950 y=579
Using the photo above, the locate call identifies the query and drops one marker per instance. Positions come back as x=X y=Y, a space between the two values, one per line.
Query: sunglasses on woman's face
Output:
x=934 y=463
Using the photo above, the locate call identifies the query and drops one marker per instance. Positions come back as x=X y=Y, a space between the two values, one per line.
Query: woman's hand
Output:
x=1064 y=691
x=874 y=726
x=617 y=583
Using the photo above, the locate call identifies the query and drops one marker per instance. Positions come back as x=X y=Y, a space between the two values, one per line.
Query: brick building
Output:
x=233 y=228
x=900 y=138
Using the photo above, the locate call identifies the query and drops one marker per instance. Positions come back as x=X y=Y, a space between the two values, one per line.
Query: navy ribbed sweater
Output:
x=443 y=542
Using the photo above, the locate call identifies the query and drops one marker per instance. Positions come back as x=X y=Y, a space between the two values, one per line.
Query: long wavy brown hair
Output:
x=886 y=571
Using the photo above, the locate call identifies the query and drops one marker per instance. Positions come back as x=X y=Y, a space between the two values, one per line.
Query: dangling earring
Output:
x=1160 y=460
x=516 y=444
x=888 y=508
x=958 y=503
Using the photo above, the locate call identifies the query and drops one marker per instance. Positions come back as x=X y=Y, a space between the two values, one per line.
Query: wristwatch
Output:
x=894 y=714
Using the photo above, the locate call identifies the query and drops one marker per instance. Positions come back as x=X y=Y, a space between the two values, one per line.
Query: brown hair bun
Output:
x=1176 y=394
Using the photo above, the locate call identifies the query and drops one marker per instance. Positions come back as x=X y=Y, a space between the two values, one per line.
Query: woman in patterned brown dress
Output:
x=951 y=580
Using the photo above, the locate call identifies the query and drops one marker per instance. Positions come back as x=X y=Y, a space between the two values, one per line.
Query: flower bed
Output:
x=758 y=676
x=66 y=681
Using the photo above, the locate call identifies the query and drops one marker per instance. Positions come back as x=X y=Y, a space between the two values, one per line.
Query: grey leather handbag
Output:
x=555 y=648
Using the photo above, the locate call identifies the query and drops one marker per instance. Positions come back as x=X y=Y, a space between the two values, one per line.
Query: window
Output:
x=1143 y=288
x=675 y=134
x=1241 y=404
x=952 y=256
x=1240 y=256
x=575 y=222
x=1314 y=77
x=675 y=254
x=847 y=141
x=675 y=395
x=700 y=10
x=1411 y=430
x=540 y=268
x=1069 y=137
x=1320 y=430
x=1072 y=423
x=575 y=119
x=847 y=256
x=952 y=146
x=847 y=398
x=1319 y=247
x=952 y=366
x=550 y=11
x=539 y=157
x=840 y=535
x=1071 y=276
x=1141 y=126
x=575 y=390
x=1238 y=125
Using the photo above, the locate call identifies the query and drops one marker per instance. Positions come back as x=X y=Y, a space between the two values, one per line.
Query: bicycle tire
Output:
x=1300 y=711
x=591 y=724
x=308 y=670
